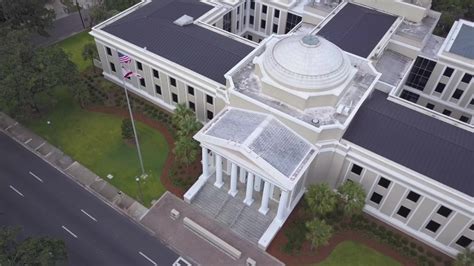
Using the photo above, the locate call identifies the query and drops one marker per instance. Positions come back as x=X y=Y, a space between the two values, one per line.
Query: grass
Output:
x=356 y=254
x=95 y=141
x=73 y=47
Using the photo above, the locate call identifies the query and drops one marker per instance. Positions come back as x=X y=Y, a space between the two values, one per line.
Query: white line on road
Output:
x=90 y=216
x=69 y=231
x=16 y=190
x=146 y=257
x=37 y=178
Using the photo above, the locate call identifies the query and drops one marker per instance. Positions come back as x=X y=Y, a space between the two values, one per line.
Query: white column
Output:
x=242 y=174
x=233 y=180
x=257 y=183
x=205 y=162
x=219 y=181
x=265 y=197
x=248 y=193
x=282 y=205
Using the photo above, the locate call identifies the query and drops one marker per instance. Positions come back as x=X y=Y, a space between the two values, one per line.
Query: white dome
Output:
x=306 y=62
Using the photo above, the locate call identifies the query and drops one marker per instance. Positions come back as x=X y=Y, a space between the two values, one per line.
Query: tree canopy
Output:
x=452 y=10
x=318 y=232
x=353 y=198
x=321 y=199
x=186 y=148
x=30 y=15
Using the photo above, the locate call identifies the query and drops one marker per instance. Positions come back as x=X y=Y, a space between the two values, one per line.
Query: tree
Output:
x=99 y=13
x=119 y=5
x=318 y=232
x=26 y=14
x=353 y=198
x=30 y=251
x=188 y=126
x=186 y=150
x=180 y=113
x=81 y=94
x=127 y=129
x=465 y=258
x=321 y=199
x=89 y=52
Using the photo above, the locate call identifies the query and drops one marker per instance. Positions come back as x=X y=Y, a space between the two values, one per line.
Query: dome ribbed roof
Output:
x=307 y=62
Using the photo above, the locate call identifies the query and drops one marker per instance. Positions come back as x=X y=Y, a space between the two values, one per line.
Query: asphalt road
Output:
x=45 y=202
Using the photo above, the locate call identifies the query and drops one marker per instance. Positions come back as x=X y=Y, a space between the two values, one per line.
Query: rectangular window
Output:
x=448 y=72
x=275 y=28
x=252 y=4
x=464 y=119
x=210 y=115
x=433 y=226
x=277 y=13
x=158 y=89
x=209 y=99
x=447 y=112
x=237 y=26
x=430 y=106
x=238 y=10
x=471 y=227
x=190 y=90
x=142 y=82
x=376 y=197
x=245 y=5
x=263 y=24
x=173 y=82
x=413 y=196
x=464 y=241
x=383 y=182
x=410 y=96
x=139 y=66
x=356 y=169
x=156 y=74
x=174 y=97
x=109 y=51
x=192 y=106
x=112 y=67
x=227 y=22
x=251 y=20
x=457 y=94
x=472 y=101
x=466 y=78
x=249 y=37
x=264 y=9
x=420 y=73
x=443 y=211
x=245 y=20
x=440 y=87
x=291 y=21
x=403 y=211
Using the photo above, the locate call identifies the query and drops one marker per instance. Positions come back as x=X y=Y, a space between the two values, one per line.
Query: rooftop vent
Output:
x=184 y=20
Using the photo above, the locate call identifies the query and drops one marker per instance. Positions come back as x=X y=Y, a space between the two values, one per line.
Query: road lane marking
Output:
x=16 y=190
x=41 y=145
x=37 y=178
x=90 y=216
x=146 y=257
x=28 y=141
x=69 y=231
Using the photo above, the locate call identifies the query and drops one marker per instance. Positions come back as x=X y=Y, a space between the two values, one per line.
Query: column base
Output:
x=248 y=202
x=263 y=211
x=218 y=184
x=232 y=193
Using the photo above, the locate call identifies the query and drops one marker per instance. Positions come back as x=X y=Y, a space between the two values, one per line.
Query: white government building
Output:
x=296 y=92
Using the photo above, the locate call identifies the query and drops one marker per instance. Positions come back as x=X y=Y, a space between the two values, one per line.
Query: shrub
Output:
x=296 y=235
x=412 y=245
x=421 y=250
x=413 y=253
x=404 y=241
x=438 y=258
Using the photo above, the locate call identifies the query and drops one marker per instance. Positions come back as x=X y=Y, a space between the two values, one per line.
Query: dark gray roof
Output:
x=464 y=43
x=424 y=144
x=196 y=48
x=357 y=29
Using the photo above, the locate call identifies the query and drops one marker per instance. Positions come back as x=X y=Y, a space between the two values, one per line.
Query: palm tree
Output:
x=188 y=126
x=186 y=150
x=89 y=52
x=179 y=114
x=318 y=232
x=465 y=258
x=353 y=198
x=321 y=199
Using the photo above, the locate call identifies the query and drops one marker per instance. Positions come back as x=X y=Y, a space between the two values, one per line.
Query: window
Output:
x=142 y=82
x=413 y=196
x=464 y=241
x=209 y=99
x=238 y=10
x=275 y=28
x=245 y=5
x=356 y=169
x=430 y=106
x=192 y=106
x=471 y=227
x=263 y=24
x=466 y=78
x=448 y=72
x=264 y=9
x=210 y=115
x=472 y=101
x=376 y=197
x=433 y=226
x=447 y=112
x=444 y=211
x=156 y=74
x=420 y=73
x=245 y=19
x=457 y=94
x=227 y=22
x=403 y=211
x=112 y=67
x=139 y=66
x=440 y=87
x=409 y=96
x=158 y=89
x=173 y=82
x=383 y=182
x=109 y=52
x=190 y=90
x=464 y=119
x=291 y=21
x=249 y=37
x=251 y=20
x=237 y=25
x=277 y=13
x=174 y=97
x=252 y=4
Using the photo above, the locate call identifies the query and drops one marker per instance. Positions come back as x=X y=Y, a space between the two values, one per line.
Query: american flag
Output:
x=126 y=72
x=123 y=58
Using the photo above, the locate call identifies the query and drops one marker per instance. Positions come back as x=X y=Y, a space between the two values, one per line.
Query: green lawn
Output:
x=95 y=140
x=356 y=254
x=73 y=47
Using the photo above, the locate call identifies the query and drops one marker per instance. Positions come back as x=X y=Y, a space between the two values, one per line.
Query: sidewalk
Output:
x=73 y=169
